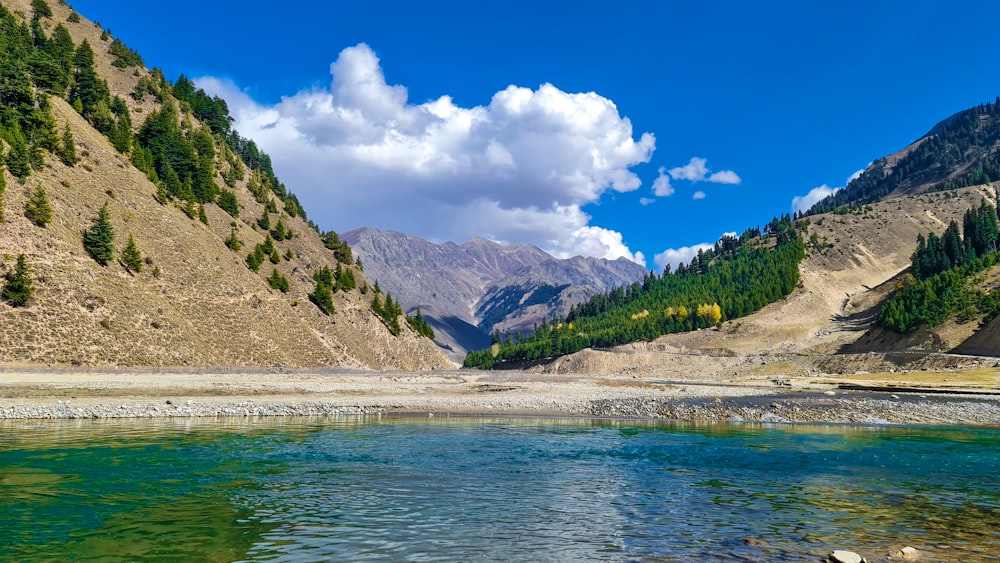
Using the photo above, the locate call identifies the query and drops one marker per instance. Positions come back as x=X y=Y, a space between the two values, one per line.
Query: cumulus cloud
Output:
x=698 y=195
x=359 y=153
x=661 y=185
x=675 y=256
x=725 y=177
x=696 y=170
x=804 y=202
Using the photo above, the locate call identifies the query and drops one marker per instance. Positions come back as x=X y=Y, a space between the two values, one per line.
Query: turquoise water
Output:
x=510 y=489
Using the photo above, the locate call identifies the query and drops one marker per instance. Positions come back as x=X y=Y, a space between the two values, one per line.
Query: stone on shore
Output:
x=843 y=556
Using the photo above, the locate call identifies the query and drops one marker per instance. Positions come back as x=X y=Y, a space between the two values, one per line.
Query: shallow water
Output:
x=418 y=489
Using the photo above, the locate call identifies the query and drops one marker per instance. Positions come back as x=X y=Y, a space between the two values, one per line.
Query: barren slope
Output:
x=205 y=307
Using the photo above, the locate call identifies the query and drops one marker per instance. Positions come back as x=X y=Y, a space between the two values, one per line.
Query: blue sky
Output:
x=550 y=122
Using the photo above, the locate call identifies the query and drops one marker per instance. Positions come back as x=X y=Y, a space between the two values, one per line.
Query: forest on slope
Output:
x=961 y=151
x=738 y=276
x=938 y=287
x=139 y=227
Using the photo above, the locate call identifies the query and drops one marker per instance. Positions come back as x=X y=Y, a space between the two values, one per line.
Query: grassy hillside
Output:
x=195 y=302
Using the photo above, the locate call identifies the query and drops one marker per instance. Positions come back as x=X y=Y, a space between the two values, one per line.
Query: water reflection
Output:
x=391 y=488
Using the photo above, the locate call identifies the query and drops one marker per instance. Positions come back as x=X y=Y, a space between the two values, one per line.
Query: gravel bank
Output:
x=42 y=394
x=848 y=409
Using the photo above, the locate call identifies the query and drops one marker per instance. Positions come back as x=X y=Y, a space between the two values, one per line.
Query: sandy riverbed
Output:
x=122 y=393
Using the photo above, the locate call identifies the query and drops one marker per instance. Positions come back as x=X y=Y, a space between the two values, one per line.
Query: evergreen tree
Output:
x=228 y=203
x=278 y=281
x=420 y=325
x=18 y=158
x=37 y=208
x=67 y=149
x=232 y=242
x=255 y=258
x=99 y=239
x=88 y=88
x=131 y=257
x=264 y=222
x=40 y=9
x=322 y=294
x=19 y=287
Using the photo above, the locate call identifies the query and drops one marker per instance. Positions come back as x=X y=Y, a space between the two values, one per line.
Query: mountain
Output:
x=960 y=151
x=228 y=263
x=468 y=291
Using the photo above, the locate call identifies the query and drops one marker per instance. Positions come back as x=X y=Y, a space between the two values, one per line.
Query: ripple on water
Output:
x=503 y=489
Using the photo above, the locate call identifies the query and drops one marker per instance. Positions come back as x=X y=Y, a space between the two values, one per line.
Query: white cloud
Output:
x=646 y=200
x=725 y=177
x=815 y=195
x=803 y=203
x=857 y=174
x=661 y=185
x=358 y=153
x=675 y=256
x=695 y=170
x=698 y=195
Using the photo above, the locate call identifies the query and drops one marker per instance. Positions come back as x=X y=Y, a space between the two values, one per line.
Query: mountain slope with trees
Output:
x=136 y=212
x=961 y=151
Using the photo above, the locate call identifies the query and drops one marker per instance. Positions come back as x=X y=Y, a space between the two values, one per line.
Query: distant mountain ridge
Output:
x=467 y=291
x=960 y=151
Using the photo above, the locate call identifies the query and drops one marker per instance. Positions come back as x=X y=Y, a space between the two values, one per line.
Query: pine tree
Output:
x=37 y=208
x=99 y=239
x=19 y=287
x=228 y=203
x=322 y=294
x=232 y=242
x=18 y=158
x=67 y=149
x=40 y=9
x=131 y=257
x=278 y=281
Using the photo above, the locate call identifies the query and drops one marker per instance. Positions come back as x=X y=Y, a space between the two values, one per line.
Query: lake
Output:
x=503 y=489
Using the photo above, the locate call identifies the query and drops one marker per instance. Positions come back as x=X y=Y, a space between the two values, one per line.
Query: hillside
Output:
x=960 y=151
x=195 y=302
x=468 y=291
x=824 y=326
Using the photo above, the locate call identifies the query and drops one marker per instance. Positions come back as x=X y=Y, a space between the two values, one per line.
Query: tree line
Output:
x=738 y=276
x=964 y=142
x=939 y=285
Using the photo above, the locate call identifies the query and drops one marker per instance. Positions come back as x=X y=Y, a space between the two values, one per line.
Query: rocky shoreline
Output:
x=93 y=394
x=787 y=408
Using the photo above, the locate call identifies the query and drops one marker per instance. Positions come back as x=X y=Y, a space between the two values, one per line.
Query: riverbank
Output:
x=37 y=393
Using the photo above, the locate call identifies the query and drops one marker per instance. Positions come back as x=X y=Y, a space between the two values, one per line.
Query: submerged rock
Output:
x=908 y=552
x=755 y=542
